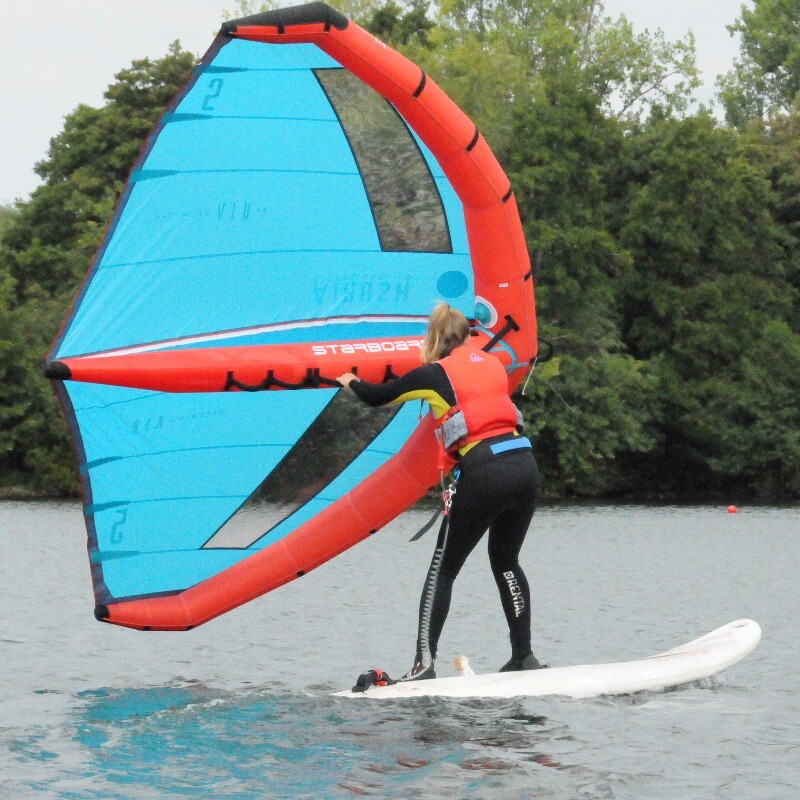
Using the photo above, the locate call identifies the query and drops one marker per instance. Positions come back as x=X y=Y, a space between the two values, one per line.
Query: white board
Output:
x=698 y=659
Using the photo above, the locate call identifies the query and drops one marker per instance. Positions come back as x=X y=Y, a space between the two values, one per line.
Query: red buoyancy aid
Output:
x=480 y=385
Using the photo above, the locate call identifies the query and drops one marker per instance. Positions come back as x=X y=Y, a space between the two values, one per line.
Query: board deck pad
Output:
x=700 y=658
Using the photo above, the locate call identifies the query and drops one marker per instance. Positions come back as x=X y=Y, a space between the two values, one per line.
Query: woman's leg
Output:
x=501 y=493
x=506 y=535
x=470 y=515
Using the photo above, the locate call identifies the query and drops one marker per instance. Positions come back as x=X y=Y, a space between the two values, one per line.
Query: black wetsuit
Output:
x=494 y=492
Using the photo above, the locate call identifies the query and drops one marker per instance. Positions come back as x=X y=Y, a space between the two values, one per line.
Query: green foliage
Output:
x=709 y=279
x=7 y=215
x=766 y=77
x=555 y=85
x=597 y=407
x=776 y=147
x=561 y=143
x=759 y=443
x=35 y=449
x=574 y=43
x=587 y=415
x=696 y=216
x=399 y=26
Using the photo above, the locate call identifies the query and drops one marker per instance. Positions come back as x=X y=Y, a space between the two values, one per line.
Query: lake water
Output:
x=241 y=706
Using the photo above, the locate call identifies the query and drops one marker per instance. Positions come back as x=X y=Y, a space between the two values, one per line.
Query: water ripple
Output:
x=241 y=708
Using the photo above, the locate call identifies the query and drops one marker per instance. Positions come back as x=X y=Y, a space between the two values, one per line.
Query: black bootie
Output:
x=520 y=663
x=420 y=672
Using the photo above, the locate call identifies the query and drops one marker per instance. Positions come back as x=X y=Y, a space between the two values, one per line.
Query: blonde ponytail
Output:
x=447 y=329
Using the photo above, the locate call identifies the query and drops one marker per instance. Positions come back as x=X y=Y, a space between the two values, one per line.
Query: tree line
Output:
x=665 y=240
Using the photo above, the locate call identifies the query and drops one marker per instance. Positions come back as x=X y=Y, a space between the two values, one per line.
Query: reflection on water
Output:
x=310 y=746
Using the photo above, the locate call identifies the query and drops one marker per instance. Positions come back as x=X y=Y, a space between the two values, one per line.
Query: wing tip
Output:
x=56 y=371
x=306 y=14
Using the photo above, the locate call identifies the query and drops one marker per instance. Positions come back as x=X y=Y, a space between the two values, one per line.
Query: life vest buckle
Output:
x=454 y=429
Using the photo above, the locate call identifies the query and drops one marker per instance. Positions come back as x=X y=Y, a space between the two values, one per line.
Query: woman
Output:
x=497 y=478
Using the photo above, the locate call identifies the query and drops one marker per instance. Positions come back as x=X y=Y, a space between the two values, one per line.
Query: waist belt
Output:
x=517 y=443
x=489 y=448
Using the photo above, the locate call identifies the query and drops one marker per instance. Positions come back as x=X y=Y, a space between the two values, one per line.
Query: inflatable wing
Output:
x=305 y=200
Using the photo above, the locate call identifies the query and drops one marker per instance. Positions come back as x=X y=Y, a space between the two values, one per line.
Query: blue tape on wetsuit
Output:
x=520 y=443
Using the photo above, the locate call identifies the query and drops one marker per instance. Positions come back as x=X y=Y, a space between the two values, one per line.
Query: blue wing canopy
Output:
x=278 y=200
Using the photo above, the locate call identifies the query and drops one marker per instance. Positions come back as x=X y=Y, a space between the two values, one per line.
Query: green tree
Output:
x=760 y=442
x=7 y=214
x=766 y=76
x=776 y=147
x=557 y=164
x=590 y=417
x=397 y=25
x=709 y=278
x=562 y=42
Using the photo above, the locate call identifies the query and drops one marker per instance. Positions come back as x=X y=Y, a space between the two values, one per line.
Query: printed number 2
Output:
x=216 y=87
x=116 y=528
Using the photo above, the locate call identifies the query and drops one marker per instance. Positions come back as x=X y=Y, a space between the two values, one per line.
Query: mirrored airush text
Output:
x=363 y=290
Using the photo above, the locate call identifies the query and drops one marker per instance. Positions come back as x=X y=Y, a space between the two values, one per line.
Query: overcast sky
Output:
x=59 y=53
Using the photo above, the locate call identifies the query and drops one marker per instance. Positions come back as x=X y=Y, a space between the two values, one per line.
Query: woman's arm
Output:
x=428 y=383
